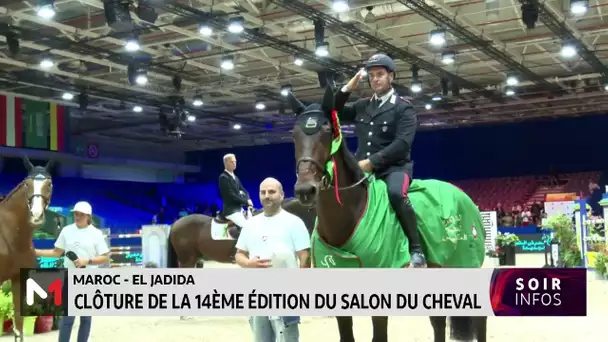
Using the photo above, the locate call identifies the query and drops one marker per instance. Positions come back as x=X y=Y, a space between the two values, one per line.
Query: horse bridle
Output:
x=325 y=179
x=44 y=199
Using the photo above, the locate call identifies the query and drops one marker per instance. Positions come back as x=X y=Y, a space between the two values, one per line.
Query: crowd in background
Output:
x=520 y=214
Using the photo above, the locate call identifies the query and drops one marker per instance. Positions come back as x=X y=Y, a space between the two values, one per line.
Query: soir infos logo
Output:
x=43 y=291
x=539 y=292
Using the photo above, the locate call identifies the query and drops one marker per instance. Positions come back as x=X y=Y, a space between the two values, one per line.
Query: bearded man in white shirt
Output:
x=276 y=239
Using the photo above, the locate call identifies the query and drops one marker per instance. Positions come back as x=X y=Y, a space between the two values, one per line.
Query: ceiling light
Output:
x=448 y=57
x=46 y=63
x=340 y=5
x=512 y=80
x=579 y=7
x=259 y=105
x=197 y=101
x=416 y=86
x=569 y=49
x=322 y=49
x=509 y=91
x=437 y=37
x=298 y=61
x=606 y=86
x=236 y=25
x=286 y=89
x=137 y=109
x=67 y=96
x=191 y=118
x=428 y=106
x=205 y=30
x=437 y=97
x=141 y=79
x=236 y=126
x=46 y=11
x=132 y=45
x=227 y=63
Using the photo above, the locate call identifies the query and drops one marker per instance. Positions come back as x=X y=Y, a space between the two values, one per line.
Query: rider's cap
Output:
x=381 y=60
x=83 y=207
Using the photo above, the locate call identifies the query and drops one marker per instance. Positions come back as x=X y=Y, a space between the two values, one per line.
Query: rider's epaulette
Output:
x=407 y=100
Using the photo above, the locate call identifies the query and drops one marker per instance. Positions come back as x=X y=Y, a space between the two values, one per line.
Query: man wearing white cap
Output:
x=89 y=246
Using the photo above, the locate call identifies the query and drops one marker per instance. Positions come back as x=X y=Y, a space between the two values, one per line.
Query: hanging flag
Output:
x=11 y=121
x=37 y=124
x=58 y=114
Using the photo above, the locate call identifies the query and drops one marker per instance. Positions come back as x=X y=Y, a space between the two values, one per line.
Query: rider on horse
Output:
x=385 y=129
x=233 y=193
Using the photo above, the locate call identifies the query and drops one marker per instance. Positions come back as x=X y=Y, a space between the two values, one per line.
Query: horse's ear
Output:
x=296 y=106
x=328 y=103
x=27 y=163
x=49 y=165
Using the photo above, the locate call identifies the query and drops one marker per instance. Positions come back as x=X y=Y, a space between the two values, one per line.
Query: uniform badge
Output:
x=474 y=230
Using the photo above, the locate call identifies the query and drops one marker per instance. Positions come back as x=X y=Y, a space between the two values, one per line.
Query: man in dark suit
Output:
x=385 y=128
x=233 y=193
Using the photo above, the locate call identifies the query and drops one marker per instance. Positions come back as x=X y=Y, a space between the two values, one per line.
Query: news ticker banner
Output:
x=306 y=292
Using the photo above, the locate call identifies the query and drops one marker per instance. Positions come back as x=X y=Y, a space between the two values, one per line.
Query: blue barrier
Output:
x=522 y=230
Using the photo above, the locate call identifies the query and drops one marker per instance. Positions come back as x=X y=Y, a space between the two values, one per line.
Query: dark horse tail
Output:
x=467 y=328
x=171 y=255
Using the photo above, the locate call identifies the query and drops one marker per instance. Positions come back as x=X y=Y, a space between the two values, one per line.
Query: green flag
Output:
x=37 y=124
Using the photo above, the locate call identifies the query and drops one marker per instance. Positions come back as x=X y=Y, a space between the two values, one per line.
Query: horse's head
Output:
x=39 y=188
x=313 y=135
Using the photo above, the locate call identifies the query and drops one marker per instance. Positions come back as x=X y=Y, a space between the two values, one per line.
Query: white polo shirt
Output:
x=277 y=237
x=86 y=242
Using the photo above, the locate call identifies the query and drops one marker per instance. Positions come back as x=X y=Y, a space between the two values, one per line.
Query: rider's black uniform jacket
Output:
x=233 y=193
x=385 y=134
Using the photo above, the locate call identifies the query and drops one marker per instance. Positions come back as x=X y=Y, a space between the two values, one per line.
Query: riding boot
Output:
x=407 y=218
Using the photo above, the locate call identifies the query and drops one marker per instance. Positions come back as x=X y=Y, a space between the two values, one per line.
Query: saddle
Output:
x=233 y=230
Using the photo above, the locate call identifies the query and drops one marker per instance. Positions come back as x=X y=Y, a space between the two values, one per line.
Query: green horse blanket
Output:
x=449 y=223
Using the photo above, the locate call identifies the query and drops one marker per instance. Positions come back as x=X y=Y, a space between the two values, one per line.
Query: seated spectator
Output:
x=159 y=218
x=500 y=211
x=183 y=212
x=507 y=221
x=526 y=217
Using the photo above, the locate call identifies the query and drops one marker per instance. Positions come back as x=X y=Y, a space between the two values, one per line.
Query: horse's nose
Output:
x=305 y=192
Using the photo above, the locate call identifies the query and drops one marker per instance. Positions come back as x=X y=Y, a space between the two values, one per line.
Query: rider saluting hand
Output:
x=385 y=129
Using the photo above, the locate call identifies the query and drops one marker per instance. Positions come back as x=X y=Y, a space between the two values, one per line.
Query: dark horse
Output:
x=341 y=200
x=190 y=237
x=21 y=211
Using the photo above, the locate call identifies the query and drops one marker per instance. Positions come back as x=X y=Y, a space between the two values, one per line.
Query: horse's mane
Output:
x=15 y=189
x=351 y=163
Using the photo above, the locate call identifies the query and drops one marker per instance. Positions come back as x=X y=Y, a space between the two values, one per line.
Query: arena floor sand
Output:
x=322 y=329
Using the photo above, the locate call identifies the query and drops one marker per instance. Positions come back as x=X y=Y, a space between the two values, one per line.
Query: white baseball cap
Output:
x=83 y=207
